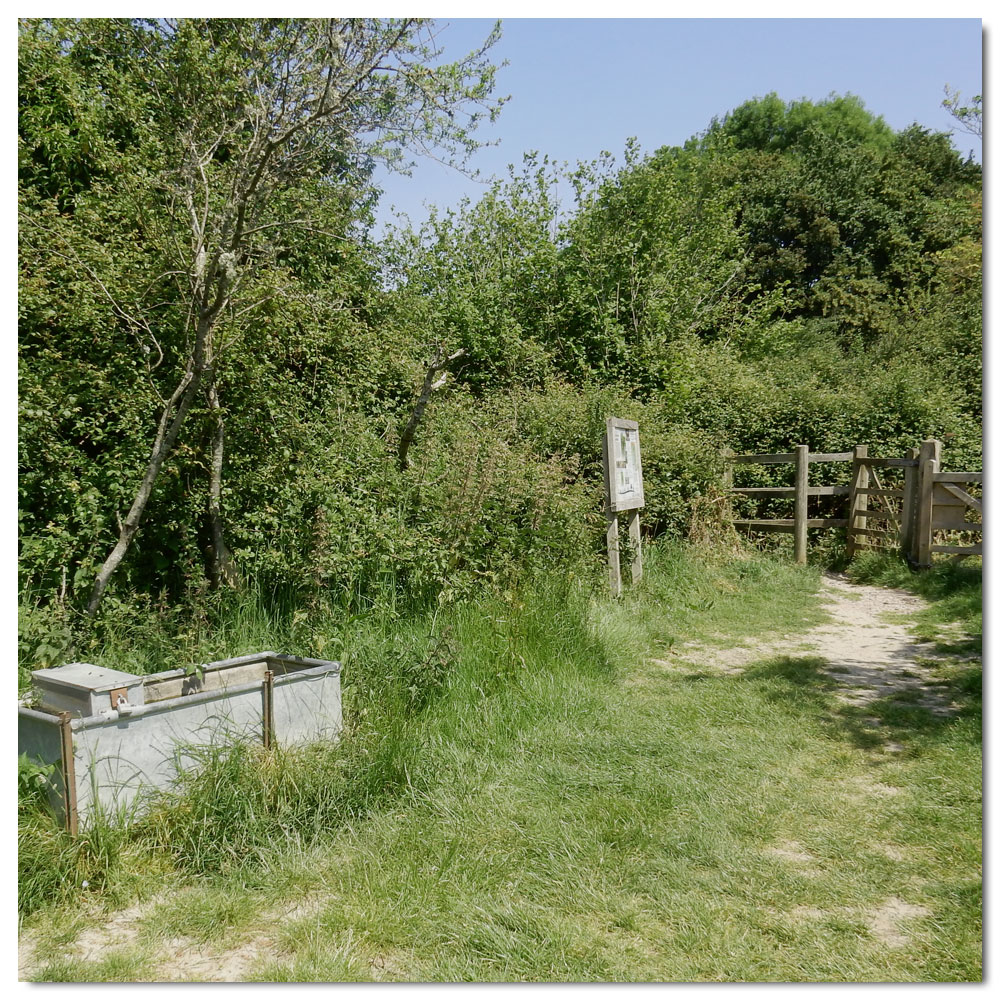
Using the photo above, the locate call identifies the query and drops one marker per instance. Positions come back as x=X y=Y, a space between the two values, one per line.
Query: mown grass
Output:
x=523 y=794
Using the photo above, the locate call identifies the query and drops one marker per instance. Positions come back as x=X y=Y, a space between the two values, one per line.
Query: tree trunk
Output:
x=222 y=566
x=173 y=416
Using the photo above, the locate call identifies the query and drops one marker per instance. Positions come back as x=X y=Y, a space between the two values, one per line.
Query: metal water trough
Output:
x=115 y=735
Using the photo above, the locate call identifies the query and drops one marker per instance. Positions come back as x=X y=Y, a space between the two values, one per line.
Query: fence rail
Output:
x=906 y=514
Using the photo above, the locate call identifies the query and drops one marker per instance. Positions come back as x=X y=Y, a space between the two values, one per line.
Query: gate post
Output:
x=930 y=462
x=911 y=496
x=727 y=468
x=859 y=501
x=801 y=500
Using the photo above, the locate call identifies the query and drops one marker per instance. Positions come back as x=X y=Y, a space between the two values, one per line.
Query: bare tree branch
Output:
x=430 y=384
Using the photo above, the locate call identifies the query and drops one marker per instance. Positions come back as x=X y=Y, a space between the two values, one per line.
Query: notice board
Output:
x=623 y=465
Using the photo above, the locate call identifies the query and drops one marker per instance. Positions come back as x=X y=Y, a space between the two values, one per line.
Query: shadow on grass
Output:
x=794 y=674
x=803 y=684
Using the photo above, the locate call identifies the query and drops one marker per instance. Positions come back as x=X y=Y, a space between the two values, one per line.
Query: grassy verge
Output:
x=524 y=794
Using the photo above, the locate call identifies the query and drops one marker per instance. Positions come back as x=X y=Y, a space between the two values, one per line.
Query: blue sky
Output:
x=580 y=86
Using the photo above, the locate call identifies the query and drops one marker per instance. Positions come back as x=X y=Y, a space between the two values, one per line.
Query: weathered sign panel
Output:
x=623 y=469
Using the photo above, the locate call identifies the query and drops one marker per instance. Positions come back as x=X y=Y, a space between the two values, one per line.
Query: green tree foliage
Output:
x=654 y=255
x=838 y=208
x=800 y=272
x=247 y=139
x=969 y=116
x=484 y=277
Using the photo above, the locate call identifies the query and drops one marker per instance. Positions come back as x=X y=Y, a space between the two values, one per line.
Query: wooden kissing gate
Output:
x=916 y=503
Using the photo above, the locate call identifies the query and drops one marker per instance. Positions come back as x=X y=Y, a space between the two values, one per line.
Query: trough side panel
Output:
x=307 y=708
x=117 y=760
x=39 y=740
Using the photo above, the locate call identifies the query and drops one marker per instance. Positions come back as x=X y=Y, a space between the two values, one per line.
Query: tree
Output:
x=250 y=130
x=653 y=257
x=838 y=207
x=484 y=277
x=968 y=116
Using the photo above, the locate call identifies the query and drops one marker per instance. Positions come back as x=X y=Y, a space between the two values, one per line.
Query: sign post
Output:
x=622 y=492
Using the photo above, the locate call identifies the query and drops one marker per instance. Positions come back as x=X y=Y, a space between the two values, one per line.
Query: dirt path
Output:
x=868 y=655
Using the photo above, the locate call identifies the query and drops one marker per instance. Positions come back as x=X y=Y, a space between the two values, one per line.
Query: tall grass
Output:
x=472 y=673
x=407 y=681
x=463 y=678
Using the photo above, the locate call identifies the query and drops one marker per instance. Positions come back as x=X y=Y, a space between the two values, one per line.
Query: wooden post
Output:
x=267 y=713
x=727 y=468
x=859 y=501
x=68 y=773
x=911 y=495
x=614 y=564
x=636 y=544
x=611 y=534
x=930 y=462
x=801 y=500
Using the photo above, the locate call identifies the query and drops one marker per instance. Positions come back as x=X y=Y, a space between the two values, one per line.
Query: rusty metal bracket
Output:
x=268 y=709
x=68 y=773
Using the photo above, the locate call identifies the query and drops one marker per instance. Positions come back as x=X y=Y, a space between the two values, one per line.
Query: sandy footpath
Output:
x=868 y=656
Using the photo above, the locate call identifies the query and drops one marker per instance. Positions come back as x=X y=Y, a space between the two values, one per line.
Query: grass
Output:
x=524 y=794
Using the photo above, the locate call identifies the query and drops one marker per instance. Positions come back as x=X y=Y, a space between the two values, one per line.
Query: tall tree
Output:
x=837 y=206
x=250 y=131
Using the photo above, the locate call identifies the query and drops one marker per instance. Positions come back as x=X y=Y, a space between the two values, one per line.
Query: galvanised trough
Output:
x=114 y=736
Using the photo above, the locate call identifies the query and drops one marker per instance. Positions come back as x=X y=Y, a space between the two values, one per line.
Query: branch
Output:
x=436 y=364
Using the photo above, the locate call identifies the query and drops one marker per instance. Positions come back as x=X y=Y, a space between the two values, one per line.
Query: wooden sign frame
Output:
x=623 y=491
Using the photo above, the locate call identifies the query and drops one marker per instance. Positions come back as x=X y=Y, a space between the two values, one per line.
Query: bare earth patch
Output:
x=184 y=960
x=791 y=851
x=867 y=656
x=103 y=935
x=887 y=922
x=181 y=959
x=121 y=930
x=794 y=854
x=176 y=959
x=805 y=914
x=25 y=957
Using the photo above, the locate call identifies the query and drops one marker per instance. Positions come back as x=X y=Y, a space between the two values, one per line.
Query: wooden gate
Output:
x=882 y=501
x=947 y=501
x=901 y=503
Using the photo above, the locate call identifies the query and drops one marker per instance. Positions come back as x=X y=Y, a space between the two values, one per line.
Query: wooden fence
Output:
x=900 y=503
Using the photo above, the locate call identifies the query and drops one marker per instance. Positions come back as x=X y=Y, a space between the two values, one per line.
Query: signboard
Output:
x=623 y=465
